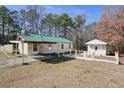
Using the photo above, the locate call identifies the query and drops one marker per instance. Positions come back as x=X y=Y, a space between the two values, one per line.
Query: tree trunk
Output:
x=8 y=36
x=44 y=33
x=50 y=33
x=55 y=31
x=41 y=30
x=65 y=32
x=3 y=23
x=77 y=43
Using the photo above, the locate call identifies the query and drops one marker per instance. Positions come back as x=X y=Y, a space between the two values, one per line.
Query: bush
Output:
x=121 y=48
x=111 y=50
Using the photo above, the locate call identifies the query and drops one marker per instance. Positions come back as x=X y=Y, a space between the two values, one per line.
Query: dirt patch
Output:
x=122 y=60
x=6 y=56
x=66 y=73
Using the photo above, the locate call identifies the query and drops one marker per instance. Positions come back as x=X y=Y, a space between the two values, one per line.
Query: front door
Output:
x=34 y=48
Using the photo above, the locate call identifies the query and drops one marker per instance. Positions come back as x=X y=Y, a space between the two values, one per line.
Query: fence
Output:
x=92 y=57
x=117 y=57
x=6 y=48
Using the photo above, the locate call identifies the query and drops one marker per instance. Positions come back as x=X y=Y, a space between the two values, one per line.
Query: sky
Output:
x=92 y=12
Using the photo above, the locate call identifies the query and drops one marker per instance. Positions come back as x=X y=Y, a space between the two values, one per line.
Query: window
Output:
x=69 y=45
x=95 y=47
x=62 y=46
x=50 y=47
x=34 y=46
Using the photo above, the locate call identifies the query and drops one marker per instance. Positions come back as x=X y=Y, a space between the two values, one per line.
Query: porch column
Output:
x=16 y=48
x=58 y=51
x=63 y=52
x=75 y=52
x=23 y=61
x=22 y=52
x=70 y=51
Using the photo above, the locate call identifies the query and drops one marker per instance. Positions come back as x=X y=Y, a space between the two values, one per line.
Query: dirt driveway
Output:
x=65 y=73
x=12 y=62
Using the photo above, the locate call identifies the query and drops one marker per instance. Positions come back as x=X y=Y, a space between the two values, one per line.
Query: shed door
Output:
x=98 y=49
x=35 y=48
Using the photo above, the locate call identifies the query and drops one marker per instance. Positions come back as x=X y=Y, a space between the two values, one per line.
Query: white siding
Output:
x=101 y=50
x=7 y=48
x=25 y=48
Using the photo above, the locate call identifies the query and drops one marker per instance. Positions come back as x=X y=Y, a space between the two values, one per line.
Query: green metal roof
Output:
x=41 y=38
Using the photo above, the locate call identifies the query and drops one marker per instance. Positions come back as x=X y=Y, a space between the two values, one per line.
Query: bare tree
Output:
x=34 y=15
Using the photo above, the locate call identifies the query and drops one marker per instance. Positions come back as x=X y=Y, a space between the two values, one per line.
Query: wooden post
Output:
x=92 y=56
x=16 y=47
x=63 y=53
x=22 y=52
x=77 y=43
x=84 y=54
x=70 y=51
x=117 y=57
x=23 y=61
x=75 y=52
x=58 y=51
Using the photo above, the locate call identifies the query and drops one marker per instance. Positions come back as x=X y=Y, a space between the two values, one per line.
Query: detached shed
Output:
x=97 y=47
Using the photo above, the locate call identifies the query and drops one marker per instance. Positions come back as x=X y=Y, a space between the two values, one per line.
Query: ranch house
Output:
x=39 y=44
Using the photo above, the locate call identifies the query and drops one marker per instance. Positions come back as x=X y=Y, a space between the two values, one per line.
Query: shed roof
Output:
x=41 y=38
x=96 y=42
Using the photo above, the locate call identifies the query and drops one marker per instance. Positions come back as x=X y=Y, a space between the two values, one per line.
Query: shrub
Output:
x=111 y=50
x=121 y=48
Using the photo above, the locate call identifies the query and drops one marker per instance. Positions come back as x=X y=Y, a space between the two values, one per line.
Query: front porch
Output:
x=48 y=48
